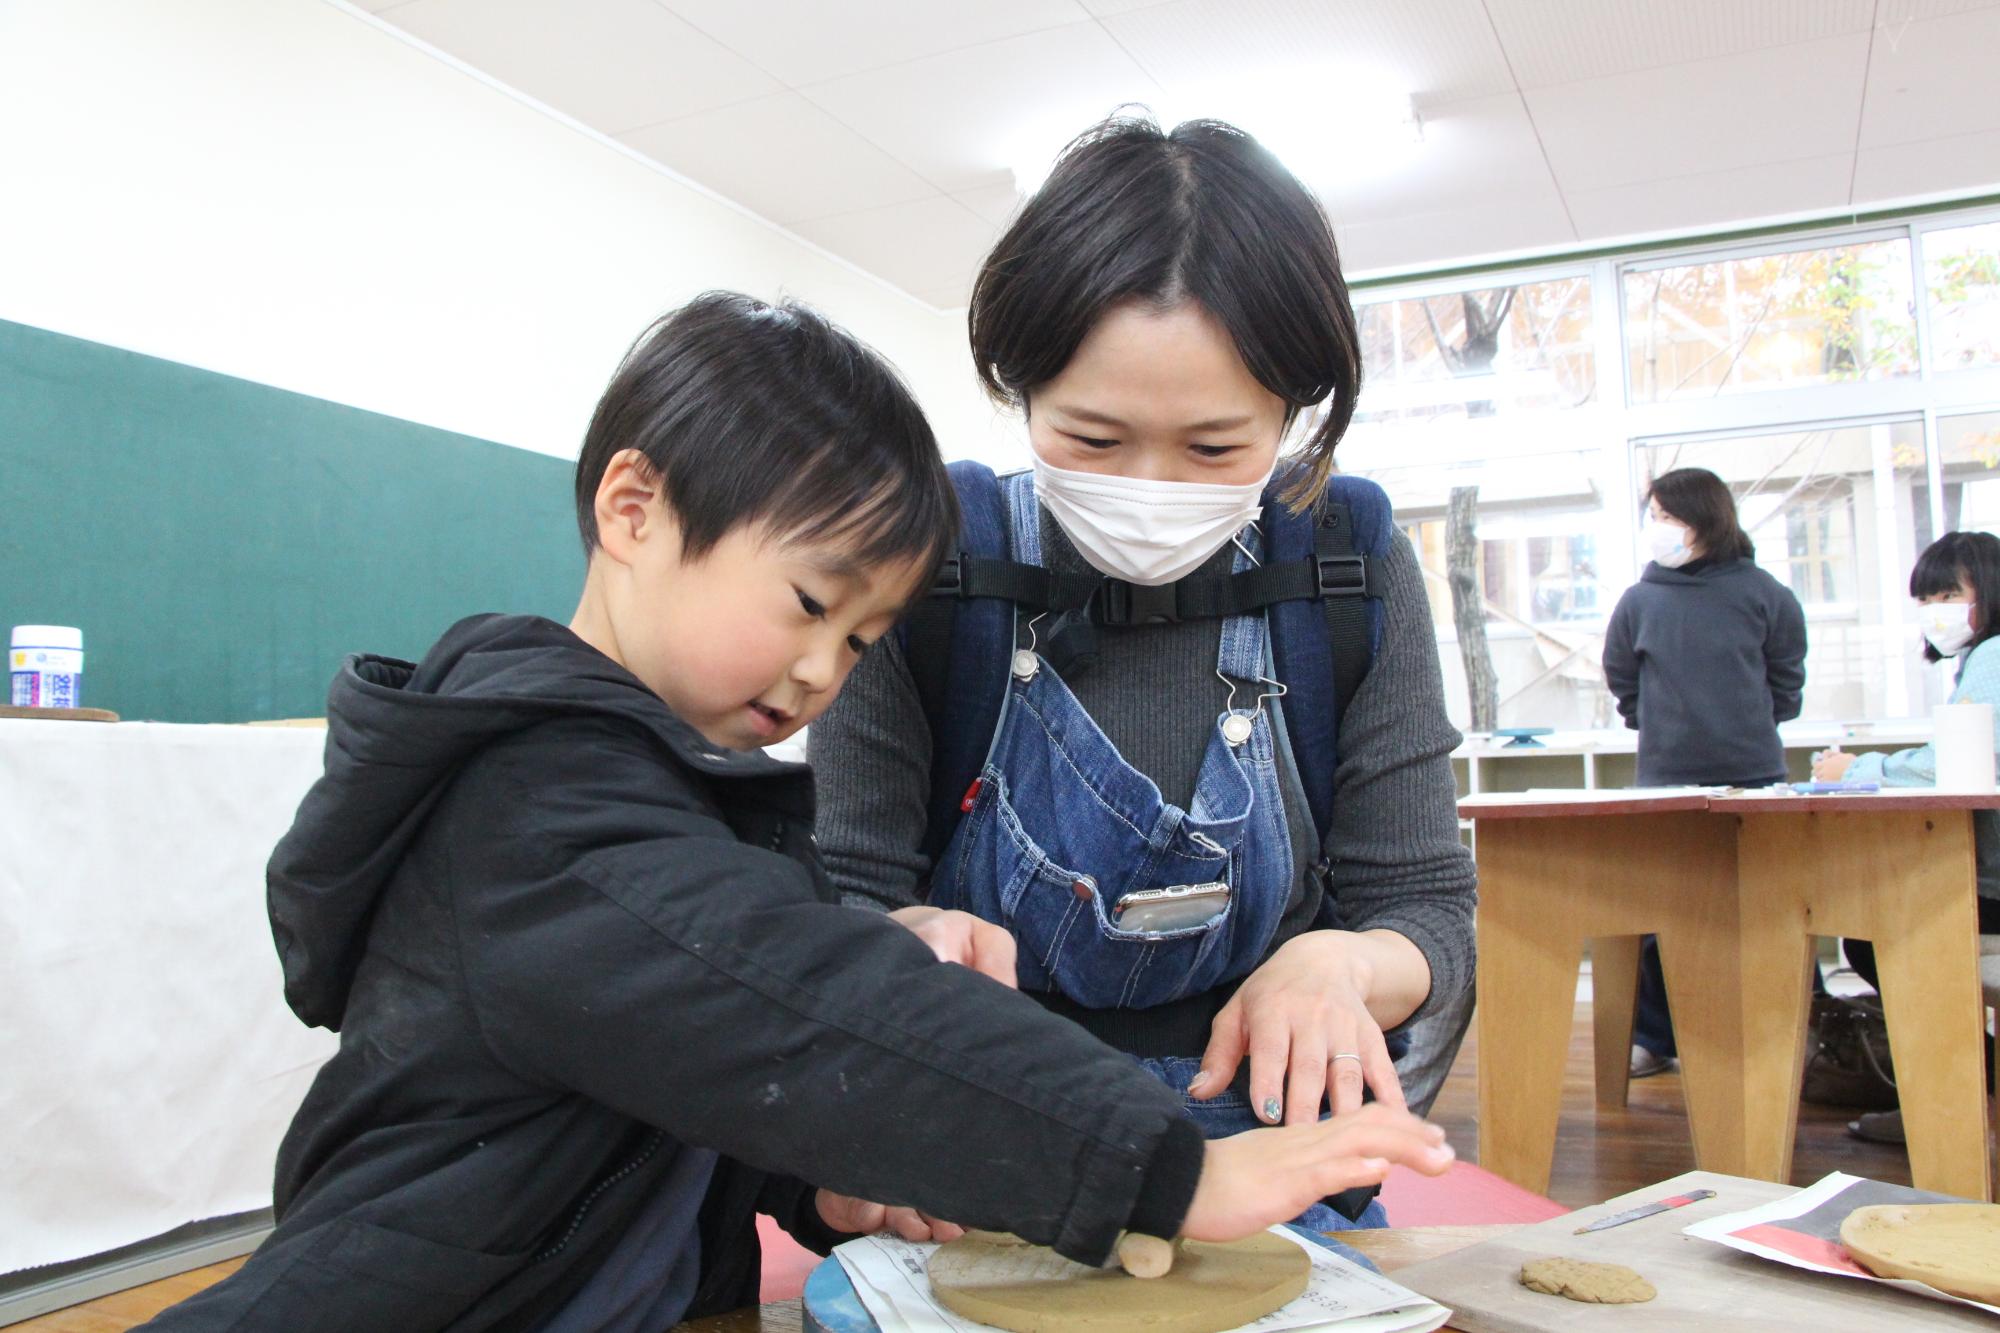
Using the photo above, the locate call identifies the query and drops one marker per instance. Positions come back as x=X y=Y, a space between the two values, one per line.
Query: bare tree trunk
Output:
x=1468 y=611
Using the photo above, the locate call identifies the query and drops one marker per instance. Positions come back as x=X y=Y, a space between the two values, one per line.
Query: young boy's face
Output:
x=748 y=643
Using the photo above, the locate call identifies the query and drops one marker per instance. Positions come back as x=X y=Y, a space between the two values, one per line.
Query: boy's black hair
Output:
x=1201 y=213
x=1700 y=499
x=757 y=413
x=1962 y=557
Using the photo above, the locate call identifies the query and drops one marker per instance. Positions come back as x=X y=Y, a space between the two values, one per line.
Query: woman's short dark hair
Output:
x=757 y=413
x=1700 y=499
x=1201 y=213
x=1962 y=558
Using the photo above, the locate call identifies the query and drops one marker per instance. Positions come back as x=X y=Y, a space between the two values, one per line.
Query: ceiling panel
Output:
x=1037 y=89
x=1779 y=105
x=809 y=41
x=1562 y=41
x=1932 y=166
x=995 y=203
x=1436 y=50
x=782 y=157
x=615 y=65
x=1933 y=79
x=923 y=246
x=1530 y=222
x=1479 y=154
x=1712 y=198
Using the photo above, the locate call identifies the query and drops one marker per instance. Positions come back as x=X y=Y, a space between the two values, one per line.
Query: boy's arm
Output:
x=619 y=941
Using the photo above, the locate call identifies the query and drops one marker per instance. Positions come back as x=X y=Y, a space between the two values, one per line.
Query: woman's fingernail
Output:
x=1198 y=1082
x=1272 y=1108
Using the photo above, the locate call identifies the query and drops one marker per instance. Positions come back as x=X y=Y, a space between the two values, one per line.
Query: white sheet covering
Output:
x=148 y=1064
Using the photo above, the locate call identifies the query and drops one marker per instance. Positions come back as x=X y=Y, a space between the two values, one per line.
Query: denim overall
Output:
x=1059 y=827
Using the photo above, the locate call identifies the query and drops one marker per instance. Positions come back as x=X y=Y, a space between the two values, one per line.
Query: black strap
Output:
x=1335 y=562
x=1335 y=574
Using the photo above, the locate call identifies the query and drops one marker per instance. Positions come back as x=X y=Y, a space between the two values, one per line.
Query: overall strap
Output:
x=1323 y=647
x=957 y=651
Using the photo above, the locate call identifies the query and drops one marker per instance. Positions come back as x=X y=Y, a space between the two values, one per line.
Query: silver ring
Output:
x=1348 y=1055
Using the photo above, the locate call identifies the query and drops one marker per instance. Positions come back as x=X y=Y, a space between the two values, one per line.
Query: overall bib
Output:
x=1059 y=829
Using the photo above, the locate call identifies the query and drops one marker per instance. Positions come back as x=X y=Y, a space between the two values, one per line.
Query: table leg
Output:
x=1614 y=999
x=1903 y=879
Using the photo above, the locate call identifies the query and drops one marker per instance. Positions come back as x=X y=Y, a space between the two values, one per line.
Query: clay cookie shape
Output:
x=1594 y=1284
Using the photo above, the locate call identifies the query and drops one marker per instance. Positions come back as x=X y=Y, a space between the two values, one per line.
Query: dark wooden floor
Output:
x=1598 y=1155
x=1602 y=1154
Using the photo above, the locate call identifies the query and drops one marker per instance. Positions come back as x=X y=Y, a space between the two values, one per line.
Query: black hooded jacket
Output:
x=567 y=942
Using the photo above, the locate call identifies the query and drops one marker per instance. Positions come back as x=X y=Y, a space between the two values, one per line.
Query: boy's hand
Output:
x=1253 y=1180
x=1831 y=765
x=858 y=1217
x=960 y=937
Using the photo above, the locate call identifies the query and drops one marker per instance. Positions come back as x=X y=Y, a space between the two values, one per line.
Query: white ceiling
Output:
x=886 y=130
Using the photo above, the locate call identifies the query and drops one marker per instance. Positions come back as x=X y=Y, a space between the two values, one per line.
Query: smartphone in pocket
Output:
x=1174 y=907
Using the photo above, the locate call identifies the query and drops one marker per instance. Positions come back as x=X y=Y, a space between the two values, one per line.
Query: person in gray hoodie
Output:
x=1705 y=656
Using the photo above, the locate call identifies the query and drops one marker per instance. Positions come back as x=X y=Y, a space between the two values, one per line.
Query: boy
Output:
x=598 y=1004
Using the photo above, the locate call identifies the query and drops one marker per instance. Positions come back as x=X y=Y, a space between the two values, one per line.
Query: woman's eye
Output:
x=809 y=604
x=1093 y=442
x=858 y=644
x=1213 y=450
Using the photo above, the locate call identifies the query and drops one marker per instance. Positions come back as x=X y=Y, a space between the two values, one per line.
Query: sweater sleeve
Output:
x=1978 y=683
x=1621 y=662
x=1785 y=654
x=871 y=758
x=1398 y=862
x=630 y=949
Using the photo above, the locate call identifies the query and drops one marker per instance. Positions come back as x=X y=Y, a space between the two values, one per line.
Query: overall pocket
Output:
x=1062 y=918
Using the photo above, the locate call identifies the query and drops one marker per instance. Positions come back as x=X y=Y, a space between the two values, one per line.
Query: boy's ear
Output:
x=629 y=505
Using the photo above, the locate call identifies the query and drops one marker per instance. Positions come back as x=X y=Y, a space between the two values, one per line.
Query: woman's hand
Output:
x=1831 y=765
x=1303 y=1019
x=1254 y=1180
x=960 y=937
x=858 y=1217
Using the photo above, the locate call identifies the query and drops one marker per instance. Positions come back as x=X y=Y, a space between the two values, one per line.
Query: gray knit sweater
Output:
x=1396 y=857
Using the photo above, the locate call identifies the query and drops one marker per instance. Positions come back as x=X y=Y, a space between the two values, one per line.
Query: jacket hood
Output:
x=396 y=734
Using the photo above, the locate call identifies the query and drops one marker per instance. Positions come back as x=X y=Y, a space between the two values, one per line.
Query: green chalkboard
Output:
x=224 y=544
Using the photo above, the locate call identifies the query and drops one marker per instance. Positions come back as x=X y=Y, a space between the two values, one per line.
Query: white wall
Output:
x=285 y=191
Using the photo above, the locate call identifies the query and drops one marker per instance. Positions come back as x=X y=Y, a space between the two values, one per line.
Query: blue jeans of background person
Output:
x=1652 y=1023
x=1228 y=1112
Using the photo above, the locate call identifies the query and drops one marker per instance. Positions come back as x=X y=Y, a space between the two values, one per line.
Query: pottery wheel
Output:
x=1029 y=1289
x=1954 y=1247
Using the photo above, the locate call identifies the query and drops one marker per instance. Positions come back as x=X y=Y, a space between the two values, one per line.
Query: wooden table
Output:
x=1736 y=887
x=1391 y=1248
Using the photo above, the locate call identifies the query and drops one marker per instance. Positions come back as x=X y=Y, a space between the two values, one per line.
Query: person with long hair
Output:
x=1957 y=585
x=1705 y=656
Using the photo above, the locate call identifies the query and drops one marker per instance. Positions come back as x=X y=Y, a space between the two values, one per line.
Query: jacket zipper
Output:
x=644 y=1156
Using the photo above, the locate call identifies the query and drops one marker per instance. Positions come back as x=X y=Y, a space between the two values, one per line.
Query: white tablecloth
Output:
x=148 y=1064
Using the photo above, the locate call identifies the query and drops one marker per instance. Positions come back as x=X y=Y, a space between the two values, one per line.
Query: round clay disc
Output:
x=1954 y=1247
x=1593 y=1284
x=1030 y=1289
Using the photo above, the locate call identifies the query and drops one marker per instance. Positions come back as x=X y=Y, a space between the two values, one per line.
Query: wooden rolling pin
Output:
x=1146 y=1256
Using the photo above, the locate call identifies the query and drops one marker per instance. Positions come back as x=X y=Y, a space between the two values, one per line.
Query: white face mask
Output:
x=1146 y=532
x=1668 y=543
x=1947 y=625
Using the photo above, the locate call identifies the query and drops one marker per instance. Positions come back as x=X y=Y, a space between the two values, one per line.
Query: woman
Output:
x=1956 y=579
x=1705 y=656
x=1163 y=310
